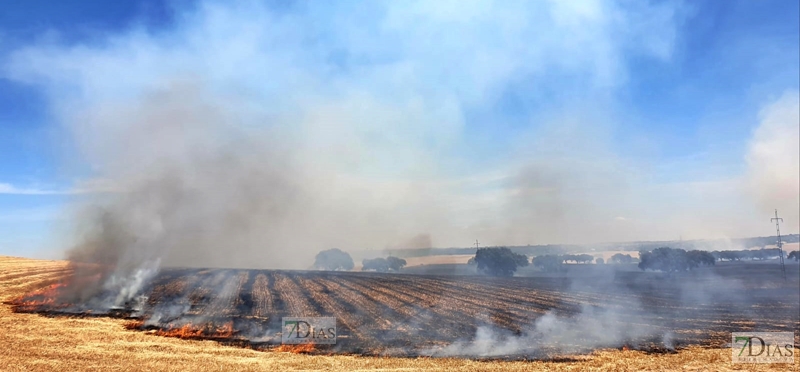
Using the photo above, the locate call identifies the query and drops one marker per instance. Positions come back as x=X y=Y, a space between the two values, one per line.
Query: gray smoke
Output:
x=251 y=137
x=591 y=329
x=603 y=324
x=260 y=130
x=190 y=189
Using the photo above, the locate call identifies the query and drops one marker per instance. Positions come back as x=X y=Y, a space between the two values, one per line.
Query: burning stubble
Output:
x=425 y=315
x=204 y=177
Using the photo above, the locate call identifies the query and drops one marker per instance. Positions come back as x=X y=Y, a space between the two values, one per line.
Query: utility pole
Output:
x=778 y=221
x=476 y=244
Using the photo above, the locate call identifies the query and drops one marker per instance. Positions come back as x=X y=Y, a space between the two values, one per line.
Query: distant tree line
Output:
x=755 y=254
x=504 y=261
x=577 y=258
x=335 y=259
x=674 y=259
x=557 y=249
x=527 y=250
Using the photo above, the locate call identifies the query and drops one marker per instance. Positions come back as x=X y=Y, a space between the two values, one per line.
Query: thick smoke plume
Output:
x=356 y=129
x=189 y=189
x=250 y=137
x=773 y=159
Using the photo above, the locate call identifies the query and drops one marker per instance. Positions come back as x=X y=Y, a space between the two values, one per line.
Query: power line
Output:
x=778 y=221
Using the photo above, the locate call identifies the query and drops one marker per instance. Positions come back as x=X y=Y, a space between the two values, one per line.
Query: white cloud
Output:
x=90 y=186
x=7 y=188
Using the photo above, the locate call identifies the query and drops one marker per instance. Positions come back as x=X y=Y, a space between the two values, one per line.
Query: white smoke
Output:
x=592 y=328
x=773 y=159
x=126 y=286
x=259 y=130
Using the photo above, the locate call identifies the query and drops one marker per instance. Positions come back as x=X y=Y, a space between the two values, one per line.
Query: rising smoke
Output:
x=773 y=159
x=600 y=325
x=246 y=138
x=240 y=127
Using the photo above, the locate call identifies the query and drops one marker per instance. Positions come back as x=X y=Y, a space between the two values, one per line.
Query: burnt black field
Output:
x=587 y=307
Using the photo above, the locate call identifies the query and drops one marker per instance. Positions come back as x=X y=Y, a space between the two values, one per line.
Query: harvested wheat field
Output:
x=36 y=342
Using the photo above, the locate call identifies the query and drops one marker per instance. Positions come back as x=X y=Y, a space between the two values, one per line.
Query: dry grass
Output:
x=439 y=259
x=36 y=343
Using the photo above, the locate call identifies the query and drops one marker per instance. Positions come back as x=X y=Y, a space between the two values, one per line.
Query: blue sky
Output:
x=642 y=112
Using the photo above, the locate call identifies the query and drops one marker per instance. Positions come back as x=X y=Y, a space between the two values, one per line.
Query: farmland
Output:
x=37 y=342
x=413 y=315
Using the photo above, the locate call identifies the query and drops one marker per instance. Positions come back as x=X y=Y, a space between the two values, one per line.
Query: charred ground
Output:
x=411 y=315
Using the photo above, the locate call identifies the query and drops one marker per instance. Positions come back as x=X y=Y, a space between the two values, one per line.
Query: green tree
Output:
x=333 y=259
x=548 y=262
x=585 y=258
x=379 y=264
x=395 y=263
x=620 y=258
x=697 y=258
x=499 y=261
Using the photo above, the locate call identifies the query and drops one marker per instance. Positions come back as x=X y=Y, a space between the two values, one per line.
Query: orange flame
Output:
x=48 y=292
x=297 y=349
x=134 y=325
x=42 y=297
x=52 y=296
x=206 y=331
x=187 y=331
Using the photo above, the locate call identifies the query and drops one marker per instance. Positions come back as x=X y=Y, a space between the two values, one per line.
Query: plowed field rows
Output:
x=395 y=314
